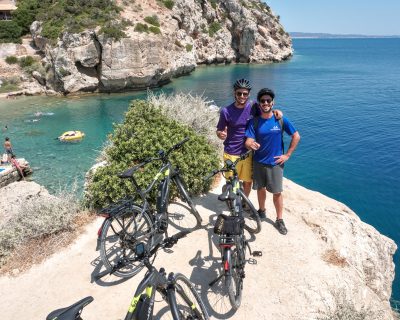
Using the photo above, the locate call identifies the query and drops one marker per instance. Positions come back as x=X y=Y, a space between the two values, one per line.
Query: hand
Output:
x=281 y=159
x=254 y=145
x=278 y=114
x=222 y=134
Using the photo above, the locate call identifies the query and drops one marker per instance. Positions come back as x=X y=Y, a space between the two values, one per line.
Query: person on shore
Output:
x=20 y=167
x=8 y=148
x=231 y=128
x=265 y=136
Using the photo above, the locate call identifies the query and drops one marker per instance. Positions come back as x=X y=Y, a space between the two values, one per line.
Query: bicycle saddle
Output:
x=227 y=193
x=70 y=313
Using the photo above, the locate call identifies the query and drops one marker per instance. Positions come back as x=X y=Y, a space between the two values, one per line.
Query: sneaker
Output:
x=262 y=213
x=280 y=225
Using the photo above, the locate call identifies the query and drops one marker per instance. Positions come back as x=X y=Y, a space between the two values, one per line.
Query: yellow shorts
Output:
x=244 y=167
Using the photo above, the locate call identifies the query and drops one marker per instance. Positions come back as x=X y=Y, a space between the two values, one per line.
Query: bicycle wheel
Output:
x=234 y=280
x=188 y=301
x=185 y=197
x=252 y=222
x=119 y=237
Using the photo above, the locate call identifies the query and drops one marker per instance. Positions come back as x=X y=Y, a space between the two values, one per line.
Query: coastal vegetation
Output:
x=167 y=3
x=27 y=63
x=149 y=127
x=63 y=16
x=36 y=220
x=213 y=28
x=152 y=20
x=9 y=84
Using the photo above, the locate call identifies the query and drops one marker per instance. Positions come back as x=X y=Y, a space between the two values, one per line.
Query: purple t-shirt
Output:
x=235 y=119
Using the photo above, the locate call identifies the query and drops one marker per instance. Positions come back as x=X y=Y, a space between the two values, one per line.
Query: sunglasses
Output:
x=265 y=100
x=242 y=94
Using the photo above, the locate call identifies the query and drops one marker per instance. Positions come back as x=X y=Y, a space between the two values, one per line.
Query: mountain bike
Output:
x=234 y=196
x=182 y=298
x=127 y=222
x=232 y=240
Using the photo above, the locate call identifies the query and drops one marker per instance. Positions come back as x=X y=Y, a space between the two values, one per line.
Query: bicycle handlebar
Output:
x=228 y=165
x=166 y=243
x=169 y=242
x=177 y=146
x=162 y=156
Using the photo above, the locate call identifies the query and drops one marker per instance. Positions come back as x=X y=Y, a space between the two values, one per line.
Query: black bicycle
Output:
x=234 y=196
x=232 y=240
x=127 y=222
x=182 y=298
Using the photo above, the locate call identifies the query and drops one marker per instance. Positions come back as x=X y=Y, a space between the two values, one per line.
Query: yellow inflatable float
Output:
x=71 y=136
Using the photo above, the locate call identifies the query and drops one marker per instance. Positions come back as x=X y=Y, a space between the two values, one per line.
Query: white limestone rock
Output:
x=89 y=61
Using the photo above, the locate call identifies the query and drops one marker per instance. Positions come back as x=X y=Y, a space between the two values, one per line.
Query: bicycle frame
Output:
x=163 y=171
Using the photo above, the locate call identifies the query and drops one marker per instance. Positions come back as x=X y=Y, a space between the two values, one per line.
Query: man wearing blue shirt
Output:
x=264 y=136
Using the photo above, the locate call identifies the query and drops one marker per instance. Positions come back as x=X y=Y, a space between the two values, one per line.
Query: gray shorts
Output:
x=267 y=176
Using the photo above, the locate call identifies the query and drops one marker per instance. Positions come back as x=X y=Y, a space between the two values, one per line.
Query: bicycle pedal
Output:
x=257 y=254
x=252 y=261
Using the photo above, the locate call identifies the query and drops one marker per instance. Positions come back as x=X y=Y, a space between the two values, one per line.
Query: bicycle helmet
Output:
x=265 y=91
x=242 y=84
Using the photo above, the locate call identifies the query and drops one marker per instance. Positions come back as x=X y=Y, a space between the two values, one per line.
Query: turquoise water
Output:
x=343 y=96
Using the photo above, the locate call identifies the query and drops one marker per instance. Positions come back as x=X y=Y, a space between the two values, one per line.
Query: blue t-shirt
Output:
x=269 y=137
x=235 y=119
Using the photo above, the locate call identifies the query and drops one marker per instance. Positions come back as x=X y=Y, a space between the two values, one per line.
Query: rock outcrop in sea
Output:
x=192 y=33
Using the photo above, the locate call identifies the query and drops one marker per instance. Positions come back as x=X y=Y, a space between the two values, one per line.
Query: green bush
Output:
x=36 y=66
x=153 y=20
x=169 y=4
x=141 y=27
x=10 y=31
x=26 y=61
x=63 y=72
x=214 y=4
x=76 y=15
x=8 y=85
x=144 y=132
x=11 y=59
x=189 y=47
x=213 y=29
x=26 y=14
x=114 y=31
x=155 y=30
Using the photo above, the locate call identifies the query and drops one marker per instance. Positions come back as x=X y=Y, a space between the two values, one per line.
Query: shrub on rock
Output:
x=144 y=132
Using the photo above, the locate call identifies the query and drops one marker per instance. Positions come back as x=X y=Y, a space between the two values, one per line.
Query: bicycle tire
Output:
x=252 y=221
x=115 y=248
x=234 y=280
x=188 y=301
x=186 y=197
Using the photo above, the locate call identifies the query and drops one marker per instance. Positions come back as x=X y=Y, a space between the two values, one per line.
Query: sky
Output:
x=339 y=16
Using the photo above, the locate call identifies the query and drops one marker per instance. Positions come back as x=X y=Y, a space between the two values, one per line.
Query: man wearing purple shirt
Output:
x=231 y=128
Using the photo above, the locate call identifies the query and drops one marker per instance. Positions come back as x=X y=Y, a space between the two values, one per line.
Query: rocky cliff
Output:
x=330 y=265
x=193 y=32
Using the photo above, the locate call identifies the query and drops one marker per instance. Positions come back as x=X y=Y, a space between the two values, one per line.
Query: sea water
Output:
x=343 y=95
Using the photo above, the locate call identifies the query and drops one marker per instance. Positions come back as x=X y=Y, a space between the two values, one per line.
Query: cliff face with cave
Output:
x=193 y=32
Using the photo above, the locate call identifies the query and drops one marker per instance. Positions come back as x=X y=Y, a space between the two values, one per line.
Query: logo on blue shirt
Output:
x=275 y=128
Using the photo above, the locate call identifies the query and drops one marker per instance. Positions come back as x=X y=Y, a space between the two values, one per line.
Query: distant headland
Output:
x=295 y=35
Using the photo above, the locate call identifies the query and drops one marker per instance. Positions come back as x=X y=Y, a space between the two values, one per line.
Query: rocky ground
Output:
x=328 y=258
